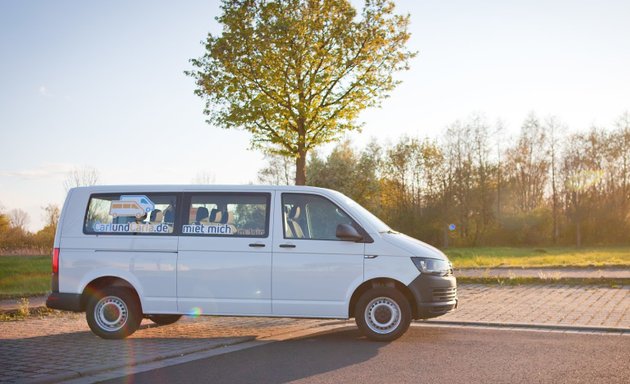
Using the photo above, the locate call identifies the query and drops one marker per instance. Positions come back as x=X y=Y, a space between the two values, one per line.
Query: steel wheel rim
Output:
x=383 y=315
x=111 y=313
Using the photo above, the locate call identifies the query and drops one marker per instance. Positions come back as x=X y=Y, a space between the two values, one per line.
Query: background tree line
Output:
x=473 y=187
x=16 y=239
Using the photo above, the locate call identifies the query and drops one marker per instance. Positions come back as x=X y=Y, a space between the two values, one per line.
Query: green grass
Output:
x=539 y=257
x=23 y=276
x=511 y=281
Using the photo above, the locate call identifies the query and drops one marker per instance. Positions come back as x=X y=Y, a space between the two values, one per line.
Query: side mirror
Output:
x=348 y=233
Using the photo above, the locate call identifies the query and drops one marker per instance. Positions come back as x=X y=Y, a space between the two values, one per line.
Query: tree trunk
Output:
x=300 y=168
x=445 y=239
x=578 y=220
x=300 y=161
x=578 y=235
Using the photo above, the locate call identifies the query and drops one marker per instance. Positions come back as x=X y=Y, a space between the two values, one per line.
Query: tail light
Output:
x=55 y=261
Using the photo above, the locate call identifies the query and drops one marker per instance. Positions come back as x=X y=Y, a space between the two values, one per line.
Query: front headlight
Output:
x=432 y=266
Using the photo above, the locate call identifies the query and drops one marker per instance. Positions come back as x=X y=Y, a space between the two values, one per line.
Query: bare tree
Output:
x=622 y=140
x=204 y=177
x=81 y=177
x=528 y=165
x=51 y=215
x=554 y=128
x=19 y=219
x=481 y=160
x=499 y=140
x=280 y=170
x=459 y=179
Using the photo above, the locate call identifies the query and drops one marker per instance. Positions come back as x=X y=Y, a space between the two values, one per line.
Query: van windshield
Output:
x=377 y=223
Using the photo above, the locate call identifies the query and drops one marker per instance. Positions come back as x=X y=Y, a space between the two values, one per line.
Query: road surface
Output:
x=423 y=355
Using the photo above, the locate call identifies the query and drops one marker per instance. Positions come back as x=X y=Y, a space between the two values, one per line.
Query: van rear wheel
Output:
x=113 y=313
x=383 y=314
x=164 y=319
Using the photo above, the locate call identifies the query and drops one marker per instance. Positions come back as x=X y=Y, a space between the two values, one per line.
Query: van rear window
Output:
x=130 y=213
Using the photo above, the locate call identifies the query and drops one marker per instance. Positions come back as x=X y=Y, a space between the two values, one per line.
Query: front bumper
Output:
x=433 y=295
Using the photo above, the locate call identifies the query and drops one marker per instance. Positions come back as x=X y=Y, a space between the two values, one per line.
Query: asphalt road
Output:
x=422 y=355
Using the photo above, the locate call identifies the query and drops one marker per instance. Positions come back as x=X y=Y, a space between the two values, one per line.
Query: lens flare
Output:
x=195 y=312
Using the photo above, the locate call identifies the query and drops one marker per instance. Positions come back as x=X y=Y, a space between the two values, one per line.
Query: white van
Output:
x=240 y=251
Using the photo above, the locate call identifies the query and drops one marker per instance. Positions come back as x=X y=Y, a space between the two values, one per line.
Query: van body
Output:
x=281 y=251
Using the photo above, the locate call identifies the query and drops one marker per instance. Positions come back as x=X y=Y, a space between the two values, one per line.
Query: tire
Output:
x=383 y=314
x=164 y=319
x=113 y=313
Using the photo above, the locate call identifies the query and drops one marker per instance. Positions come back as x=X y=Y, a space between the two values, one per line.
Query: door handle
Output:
x=287 y=245
x=256 y=245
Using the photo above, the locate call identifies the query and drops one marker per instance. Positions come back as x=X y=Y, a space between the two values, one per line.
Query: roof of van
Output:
x=199 y=187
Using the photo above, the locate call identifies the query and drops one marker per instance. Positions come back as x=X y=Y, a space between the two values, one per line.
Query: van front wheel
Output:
x=383 y=314
x=113 y=313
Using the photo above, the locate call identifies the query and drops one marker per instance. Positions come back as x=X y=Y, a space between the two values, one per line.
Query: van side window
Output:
x=227 y=214
x=130 y=213
x=311 y=217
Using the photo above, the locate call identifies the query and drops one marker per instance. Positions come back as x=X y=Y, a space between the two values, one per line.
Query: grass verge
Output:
x=512 y=281
x=39 y=313
x=22 y=276
x=492 y=257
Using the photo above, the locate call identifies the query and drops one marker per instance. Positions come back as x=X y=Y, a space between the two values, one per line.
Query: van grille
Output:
x=444 y=294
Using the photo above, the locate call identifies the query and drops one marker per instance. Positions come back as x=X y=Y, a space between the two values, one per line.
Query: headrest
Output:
x=222 y=217
x=229 y=218
x=213 y=215
x=154 y=215
x=294 y=214
x=157 y=217
x=202 y=213
x=169 y=216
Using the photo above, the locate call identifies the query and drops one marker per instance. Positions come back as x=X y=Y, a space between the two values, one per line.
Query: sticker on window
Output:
x=209 y=229
x=131 y=206
x=132 y=227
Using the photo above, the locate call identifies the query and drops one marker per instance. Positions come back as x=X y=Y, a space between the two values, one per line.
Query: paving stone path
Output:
x=576 y=306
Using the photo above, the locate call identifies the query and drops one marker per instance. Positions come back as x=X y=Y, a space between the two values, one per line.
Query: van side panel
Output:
x=151 y=272
x=224 y=276
x=146 y=262
x=316 y=284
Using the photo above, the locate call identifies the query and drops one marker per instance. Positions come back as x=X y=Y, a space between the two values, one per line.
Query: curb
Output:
x=534 y=326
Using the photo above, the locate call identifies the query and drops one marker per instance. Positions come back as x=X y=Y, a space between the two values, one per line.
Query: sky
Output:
x=101 y=84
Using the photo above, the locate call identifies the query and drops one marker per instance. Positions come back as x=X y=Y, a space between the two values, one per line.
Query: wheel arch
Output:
x=107 y=281
x=381 y=282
